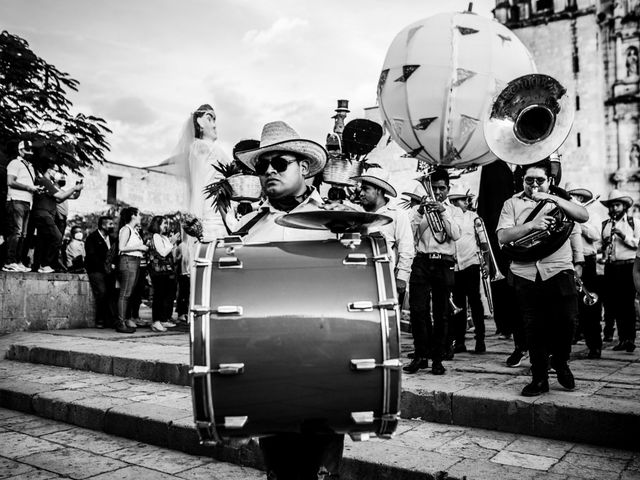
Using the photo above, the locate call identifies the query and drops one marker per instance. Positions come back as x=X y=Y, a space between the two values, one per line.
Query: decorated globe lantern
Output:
x=438 y=81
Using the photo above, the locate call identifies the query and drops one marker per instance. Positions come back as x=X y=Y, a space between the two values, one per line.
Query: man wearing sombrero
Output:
x=620 y=238
x=466 y=276
x=375 y=191
x=589 y=316
x=283 y=161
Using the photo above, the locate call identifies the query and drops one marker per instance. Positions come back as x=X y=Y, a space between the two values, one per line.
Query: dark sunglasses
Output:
x=279 y=163
x=531 y=180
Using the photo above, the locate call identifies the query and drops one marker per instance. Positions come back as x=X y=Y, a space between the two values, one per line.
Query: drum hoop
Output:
x=205 y=301
x=376 y=244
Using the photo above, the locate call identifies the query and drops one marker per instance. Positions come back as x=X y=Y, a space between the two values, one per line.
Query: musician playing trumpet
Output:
x=545 y=287
x=435 y=230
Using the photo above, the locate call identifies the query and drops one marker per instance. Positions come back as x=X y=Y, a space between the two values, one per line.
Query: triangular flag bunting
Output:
x=422 y=165
x=452 y=153
x=412 y=32
x=413 y=153
x=466 y=30
x=407 y=71
x=467 y=126
x=397 y=126
x=382 y=79
x=462 y=75
x=504 y=38
x=424 y=123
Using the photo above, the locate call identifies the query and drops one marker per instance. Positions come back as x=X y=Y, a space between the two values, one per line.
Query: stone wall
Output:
x=32 y=301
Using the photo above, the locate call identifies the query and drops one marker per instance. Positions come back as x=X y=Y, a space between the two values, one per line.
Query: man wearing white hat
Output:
x=374 y=192
x=620 y=238
x=21 y=187
x=589 y=315
x=467 y=275
x=283 y=161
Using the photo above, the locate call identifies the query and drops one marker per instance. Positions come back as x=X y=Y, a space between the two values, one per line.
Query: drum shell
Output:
x=296 y=339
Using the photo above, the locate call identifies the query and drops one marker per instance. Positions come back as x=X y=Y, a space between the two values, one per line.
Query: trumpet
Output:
x=488 y=266
x=454 y=308
x=588 y=298
x=433 y=218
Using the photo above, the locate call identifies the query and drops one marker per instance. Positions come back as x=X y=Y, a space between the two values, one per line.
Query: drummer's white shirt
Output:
x=267 y=230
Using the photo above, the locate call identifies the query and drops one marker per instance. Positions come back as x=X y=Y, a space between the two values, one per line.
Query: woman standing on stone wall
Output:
x=131 y=249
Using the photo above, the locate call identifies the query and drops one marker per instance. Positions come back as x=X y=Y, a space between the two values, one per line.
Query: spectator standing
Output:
x=21 y=186
x=140 y=290
x=75 y=251
x=102 y=282
x=162 y=271
x=49 y=238
x=131 y=249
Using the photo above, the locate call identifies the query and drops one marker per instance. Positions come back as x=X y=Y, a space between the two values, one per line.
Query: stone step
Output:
x=477 y=391
x=160 y=414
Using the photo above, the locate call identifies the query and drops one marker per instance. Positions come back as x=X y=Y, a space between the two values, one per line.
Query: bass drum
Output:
x=294 y=337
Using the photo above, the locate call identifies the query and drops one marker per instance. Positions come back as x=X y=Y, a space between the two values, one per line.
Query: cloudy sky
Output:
x=143 y=65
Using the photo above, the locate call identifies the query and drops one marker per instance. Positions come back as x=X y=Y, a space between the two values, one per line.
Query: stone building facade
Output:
x=591 y=47
x=155 y=190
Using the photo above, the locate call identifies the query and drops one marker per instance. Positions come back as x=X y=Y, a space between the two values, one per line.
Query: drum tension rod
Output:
x=367 y=306
x=370 y=363
x=355 y=259
x=235 y=422
x=229 y=262
x=223 y=369
x=200 y=309
x=367 y=417
x=230 y=241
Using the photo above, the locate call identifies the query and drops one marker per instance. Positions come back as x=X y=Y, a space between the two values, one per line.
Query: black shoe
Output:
x=535 y=388
x=515 y=359
x=480 y=347
x=630 y=346
x=99 y=325
x=620 y=347
x=459 y=348
x=416 y=364
x=564 y=375
x=594 y=353
x=411 y=354
x=437 y=368
x=608 y=338
x=123 y=328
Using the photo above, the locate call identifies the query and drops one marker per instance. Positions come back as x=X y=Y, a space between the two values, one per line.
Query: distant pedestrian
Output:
x=75 y=251
x=21 y=186
x=131 y=249
x=102 y=282
x=162 y=271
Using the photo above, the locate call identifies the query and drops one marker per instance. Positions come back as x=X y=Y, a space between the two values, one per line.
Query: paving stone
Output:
x=525 y=460
x=473 y=446
x=14 y=445
x=38 y=475
x=95 y=442
x=6 y=413
x=73 y=462
x=221 y=471
x=487 y=470
x=606 y=452
x=10 y=468
x=540 y=446
x=163 y=460
x=134 y=473
x=590 y=467
x=630 y=475
x=18 y=395
x=37 y=426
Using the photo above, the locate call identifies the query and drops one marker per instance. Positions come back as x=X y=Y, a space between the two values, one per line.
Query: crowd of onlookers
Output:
x=123 y=266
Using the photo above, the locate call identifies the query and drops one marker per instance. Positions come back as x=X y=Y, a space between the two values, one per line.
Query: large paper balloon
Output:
x=437 y=83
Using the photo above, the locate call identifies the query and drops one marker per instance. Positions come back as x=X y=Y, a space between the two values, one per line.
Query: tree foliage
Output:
x=34 y=106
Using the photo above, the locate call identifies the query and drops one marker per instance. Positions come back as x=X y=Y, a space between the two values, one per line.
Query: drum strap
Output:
x=249 y=225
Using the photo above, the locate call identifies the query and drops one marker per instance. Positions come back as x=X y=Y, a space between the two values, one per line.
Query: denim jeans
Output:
x=17 y=220
x=128 y=268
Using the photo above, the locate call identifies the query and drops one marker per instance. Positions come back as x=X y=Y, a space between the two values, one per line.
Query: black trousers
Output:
x=164 y=292
x=430 y=284
x=622 y=293
x=302 y=456
x=182 y=300
x=507 y=312
x=549 y=310
x=467 y=286
x=589 y=317
x=102 y=286
x=48 y=239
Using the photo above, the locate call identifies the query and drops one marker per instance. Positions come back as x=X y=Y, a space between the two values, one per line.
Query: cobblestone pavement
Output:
x=41 y=449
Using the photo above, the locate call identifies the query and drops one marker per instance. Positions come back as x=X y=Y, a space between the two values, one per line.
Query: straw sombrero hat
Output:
x=617 y=196
x=378 y=177
x=280 y=137
x=571 y=189
x=459 y=191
